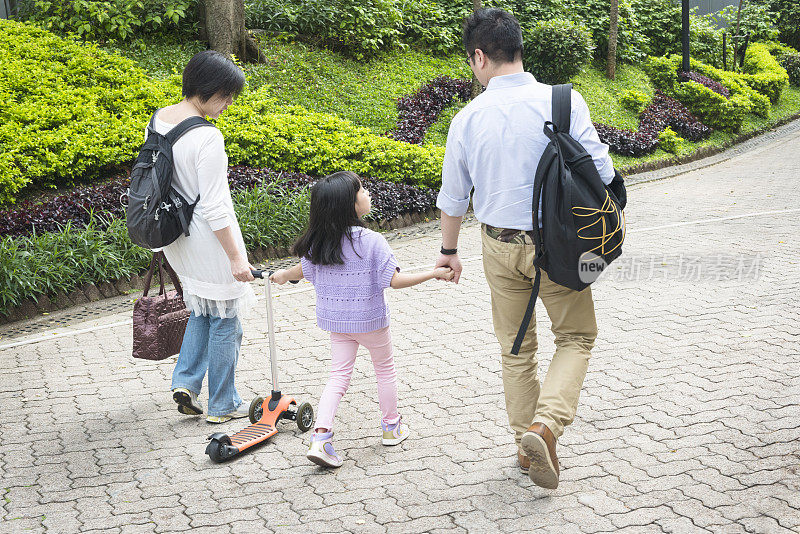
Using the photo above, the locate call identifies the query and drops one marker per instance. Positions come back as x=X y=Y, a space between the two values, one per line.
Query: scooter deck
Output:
x=266 y=427
x=253 y=435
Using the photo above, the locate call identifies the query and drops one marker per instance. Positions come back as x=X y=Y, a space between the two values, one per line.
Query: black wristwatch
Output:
x=449 y=251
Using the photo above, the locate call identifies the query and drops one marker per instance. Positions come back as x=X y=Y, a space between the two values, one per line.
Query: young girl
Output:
x=350 y=266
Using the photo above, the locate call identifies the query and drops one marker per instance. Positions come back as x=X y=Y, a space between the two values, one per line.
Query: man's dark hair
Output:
x=211 y=73
x=494 y=31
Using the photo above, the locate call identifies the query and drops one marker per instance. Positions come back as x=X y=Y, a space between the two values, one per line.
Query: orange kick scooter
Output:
x=264 y=414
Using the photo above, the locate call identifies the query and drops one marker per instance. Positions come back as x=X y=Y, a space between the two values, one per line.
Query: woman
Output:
x=211 y=261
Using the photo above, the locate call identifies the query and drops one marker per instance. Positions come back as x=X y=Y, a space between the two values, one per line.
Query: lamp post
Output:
x=685 y=34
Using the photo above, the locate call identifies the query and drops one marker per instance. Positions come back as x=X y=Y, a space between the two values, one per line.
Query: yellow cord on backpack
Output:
x=609 y=207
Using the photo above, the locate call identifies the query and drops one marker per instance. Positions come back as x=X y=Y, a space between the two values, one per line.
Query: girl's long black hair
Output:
x=333 y=213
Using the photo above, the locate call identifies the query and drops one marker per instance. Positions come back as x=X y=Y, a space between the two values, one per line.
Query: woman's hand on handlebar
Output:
x=240 y=269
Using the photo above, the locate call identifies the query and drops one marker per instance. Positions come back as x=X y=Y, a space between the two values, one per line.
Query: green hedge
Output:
x=259 y=132
x=763 y=72
x=68 y=110
x=712 y=108
x=72 y=112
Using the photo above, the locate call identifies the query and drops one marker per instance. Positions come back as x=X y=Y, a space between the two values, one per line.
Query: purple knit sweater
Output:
x=350 y=296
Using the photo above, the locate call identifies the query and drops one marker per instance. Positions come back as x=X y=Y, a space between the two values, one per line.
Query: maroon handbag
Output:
x=159 y=322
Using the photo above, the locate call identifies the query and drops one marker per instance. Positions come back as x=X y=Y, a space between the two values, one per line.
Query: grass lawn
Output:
x=318 y=79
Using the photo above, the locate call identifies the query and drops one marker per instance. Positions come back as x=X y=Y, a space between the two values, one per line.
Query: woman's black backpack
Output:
x=583 y=225
x=156 y=214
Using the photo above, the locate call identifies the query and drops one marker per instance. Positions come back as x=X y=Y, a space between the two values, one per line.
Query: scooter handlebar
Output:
x=258 y=273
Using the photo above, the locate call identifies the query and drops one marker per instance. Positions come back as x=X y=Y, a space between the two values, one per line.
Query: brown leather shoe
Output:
x=524 y=462
x=539 y=445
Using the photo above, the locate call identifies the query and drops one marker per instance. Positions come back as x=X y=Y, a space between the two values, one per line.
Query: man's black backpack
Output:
x=156 y=214
x=583 y=225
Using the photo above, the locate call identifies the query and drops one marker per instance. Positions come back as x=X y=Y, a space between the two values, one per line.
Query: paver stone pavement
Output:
x=689 y=419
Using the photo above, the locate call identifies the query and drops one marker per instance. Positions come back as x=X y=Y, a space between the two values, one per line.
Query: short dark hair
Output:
x=211 y=73
x=496 y=32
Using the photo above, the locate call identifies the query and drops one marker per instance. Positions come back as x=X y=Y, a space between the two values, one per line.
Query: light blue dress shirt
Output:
x=495 y=143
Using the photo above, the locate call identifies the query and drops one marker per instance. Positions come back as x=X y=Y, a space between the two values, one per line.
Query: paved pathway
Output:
x=689 y=419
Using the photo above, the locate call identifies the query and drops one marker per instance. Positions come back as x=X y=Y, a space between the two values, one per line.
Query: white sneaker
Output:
x=394 y=434
x=321 y=451
x=187 y=401
x=238 y=413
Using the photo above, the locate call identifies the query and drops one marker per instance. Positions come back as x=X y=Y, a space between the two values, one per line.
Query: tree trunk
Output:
x=613 y=32
x=476 y=85
x=225 y=31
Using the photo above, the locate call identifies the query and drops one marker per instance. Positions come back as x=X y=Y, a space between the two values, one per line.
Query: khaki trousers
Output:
x=510 y=272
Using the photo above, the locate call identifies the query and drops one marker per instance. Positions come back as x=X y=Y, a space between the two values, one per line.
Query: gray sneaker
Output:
x=242 y=411
x=187 y=401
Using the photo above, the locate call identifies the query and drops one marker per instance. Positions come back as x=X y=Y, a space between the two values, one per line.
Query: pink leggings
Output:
x=343 y=357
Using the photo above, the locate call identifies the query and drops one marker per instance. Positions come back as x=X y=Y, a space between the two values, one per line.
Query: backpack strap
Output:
x=562 y=106
x=151 y=126
x=184 y=126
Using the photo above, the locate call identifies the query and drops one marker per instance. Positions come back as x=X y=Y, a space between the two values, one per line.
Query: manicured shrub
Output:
x=705 y=81
x=712 y=108
x=555 y=50
x=417 y=112
x=662 y=114
x=763 y=72
x=669 y=141
x=75 y=113
x=260 y=133
x=666 y=112
x=626 y=142
x=70 y=111
x=635 y=101
x=102 y=20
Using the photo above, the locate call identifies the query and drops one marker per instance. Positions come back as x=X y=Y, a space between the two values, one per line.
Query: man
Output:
x=494 y=145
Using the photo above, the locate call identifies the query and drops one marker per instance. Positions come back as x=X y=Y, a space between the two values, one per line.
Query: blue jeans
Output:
x=210 y=343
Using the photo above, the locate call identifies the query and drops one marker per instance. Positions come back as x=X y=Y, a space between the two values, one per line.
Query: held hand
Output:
x=279 y=277
x=443 y=273
x=240 y=269
x=452 y=261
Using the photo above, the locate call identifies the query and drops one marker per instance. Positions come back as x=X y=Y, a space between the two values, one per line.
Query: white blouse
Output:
x=201 y=169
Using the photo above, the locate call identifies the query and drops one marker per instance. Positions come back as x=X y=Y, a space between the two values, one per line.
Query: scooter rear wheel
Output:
x=256 y=409
x=216 y=449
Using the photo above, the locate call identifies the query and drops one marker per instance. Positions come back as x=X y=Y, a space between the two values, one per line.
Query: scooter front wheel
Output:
x=256 y=409
x=305 y=417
